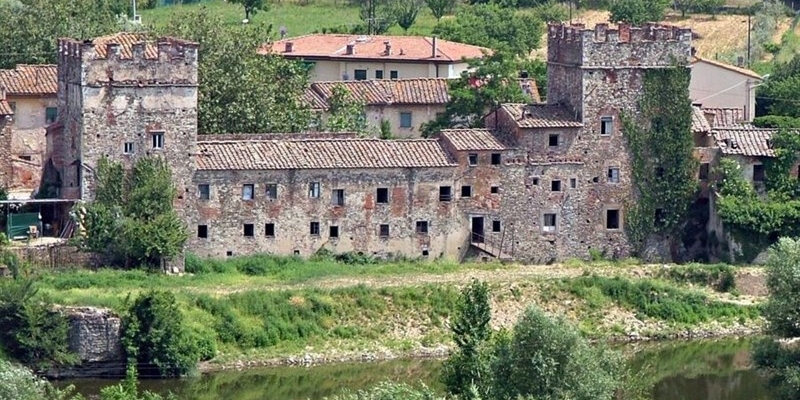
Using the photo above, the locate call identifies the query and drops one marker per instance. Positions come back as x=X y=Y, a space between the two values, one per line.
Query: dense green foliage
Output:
x=128 y=389
x=637 y=12
x=718 y=276
x=390 y=391
x=20 y=383
x=707 y=6
x=132 y=218
x=495 y=27
x=345 y=114
x=661 y=147
x=440 y=8
x=252 y=6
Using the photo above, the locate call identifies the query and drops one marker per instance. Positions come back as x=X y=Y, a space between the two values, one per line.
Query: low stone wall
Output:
x=56 y=256
x=95 y=337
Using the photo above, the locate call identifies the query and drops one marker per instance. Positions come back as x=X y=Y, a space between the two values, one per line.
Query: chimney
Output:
x=433 y=53
x=351 y=49
x=388 y=50
x=289 y=47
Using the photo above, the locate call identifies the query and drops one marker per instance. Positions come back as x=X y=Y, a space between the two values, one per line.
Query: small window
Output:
x=466 y=191
x=158 y=140
x=494 y=190
x=759 y=174
x=26 y=157
x=13 y=105
x=445 y=193
x=573 y=183
x=612 y=219
x=422 y=227
x=535 y=181
x=496 y=226
x=337 y=197
x=360 y=74
x=313 y=190
x=272 y=191
x=613 y=175
x=552 y=140
x=606 y=125
x=382 y=196
x=549 y=223
x=127 y=148
x=229 y=253
x=249 y=230
x=204 y=191
x=496 y=157
x=269 y=230
x=383 y=230
x=378 y=74
x=405 y=120
x=202 y=231
x=333 y=232
x=555 y=185
x=394 y=75
x=50 y=115
x=473 y=159
x=314 y=231
x=703 y=173
x=247 y=191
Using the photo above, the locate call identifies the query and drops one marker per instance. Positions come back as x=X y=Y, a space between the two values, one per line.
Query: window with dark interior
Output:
x=383 y=230
x=249 y=230
x=333 y=232
x=606 y=125
x=552 y=140
x=759 y=173
x=360 y=75
x=496 y=226
x=612 y=219
x=496 y=157
x=555 y=185
x=466 y=191
x=272 y=191
x=204 y=191
x=473 y=159
x=382 y=196
x=422 y=226
x=202 y=231
x=703 y=173
x=269 y=230
x=314 y=229
x=337 y=197
x=445 y=193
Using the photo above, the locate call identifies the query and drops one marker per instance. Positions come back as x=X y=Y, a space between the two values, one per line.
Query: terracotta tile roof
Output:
x=743 y=71
x=406 y=48
x=727 y=117
x=313 y=100
x=746 y=141
x=5 y=108
x=699 y=122
x=387 y=92
x=322 y=154
x=30 y=79
x=471 y=139
x=125 y=40
x=541 y=116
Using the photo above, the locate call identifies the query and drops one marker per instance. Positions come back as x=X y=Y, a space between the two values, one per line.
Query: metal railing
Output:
x=493 y=246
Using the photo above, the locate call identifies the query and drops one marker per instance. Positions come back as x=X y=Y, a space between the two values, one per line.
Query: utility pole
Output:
x=570 y=12
x=748 y=38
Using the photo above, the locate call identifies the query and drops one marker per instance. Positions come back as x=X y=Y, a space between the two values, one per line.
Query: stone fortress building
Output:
x=543 y=182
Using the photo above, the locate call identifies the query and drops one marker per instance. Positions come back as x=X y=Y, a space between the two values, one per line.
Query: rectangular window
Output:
x=703 y=173
x=247 y=191
x=272 y=191
x=50 y=114
x=333 y=232
x=360 y=74
x=249 y=230
x=158 y=140
x=555 y=186
x=382 y=196
x=573 y=183
x=337 y=197
x=496 y=226
x=612 y=219
x=549 y=224
x=466 y=191
x=535 y=181
x=269 y=229
x=383 y=230
x=613 y=175
x=313 y=190
x=422 y=227
x=127 y=148
x=606 y=125
x=445 y=193
x=552 y=140
x=202 y=231
x=378 y=74
x=496 y=158
x=314 y=229
x=394 y=75
x=494 y=190
x=759 y=174
x=473 y=159
x=204 y=191
x=405 y=120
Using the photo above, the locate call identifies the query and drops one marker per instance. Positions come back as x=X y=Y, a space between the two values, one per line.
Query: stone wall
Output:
x=58 y=256
x=95 y=337
x=6 y=123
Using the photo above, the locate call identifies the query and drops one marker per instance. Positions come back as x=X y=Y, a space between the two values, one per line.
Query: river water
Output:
x=694 y=370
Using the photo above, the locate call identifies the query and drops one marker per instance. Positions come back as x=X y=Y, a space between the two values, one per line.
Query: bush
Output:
x=20 y=383
x=390 y=391
x=718 y=276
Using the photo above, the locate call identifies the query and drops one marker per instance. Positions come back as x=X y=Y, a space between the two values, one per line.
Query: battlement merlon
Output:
x=648 y=45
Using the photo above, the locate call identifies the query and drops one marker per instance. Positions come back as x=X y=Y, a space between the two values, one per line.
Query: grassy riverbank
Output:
x=267 y=309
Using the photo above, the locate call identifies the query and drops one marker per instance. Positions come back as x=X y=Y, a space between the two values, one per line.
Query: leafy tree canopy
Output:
x=637 y=12
x=252 y=6
x=493 y=26
x=440 y=8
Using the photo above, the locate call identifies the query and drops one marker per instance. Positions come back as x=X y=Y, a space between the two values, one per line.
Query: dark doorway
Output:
x=477 y=229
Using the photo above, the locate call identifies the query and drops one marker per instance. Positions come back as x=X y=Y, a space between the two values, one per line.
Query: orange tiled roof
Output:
x=387 y=92
x=699 y=122
x=30 y=79
x=745 y=141
x=5 y=108
x=321 y=154
x=541 y=116
x=125 y=40
x=407 y=48
x=727 y=116
x=313 y=100
x=471 y=139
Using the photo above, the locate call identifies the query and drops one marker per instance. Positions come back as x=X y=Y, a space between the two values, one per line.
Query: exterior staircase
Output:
x=491 y=247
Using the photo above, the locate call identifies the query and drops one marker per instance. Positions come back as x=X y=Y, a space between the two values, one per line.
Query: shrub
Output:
x=718 y=276
x=390 y=391
x=20 y=383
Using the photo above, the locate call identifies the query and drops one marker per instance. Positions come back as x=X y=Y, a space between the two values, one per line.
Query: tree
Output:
x=780 y=94
x=439 y=8
x=345 y=113
x=637 y=12
x=405 y=12
x=252 y=6
x=465 y=369
x=242 y=91
x=378 y=15
x=685 y=6
x=493 y=26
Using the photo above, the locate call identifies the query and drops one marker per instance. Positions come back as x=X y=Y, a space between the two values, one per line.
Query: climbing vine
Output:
x=661 y=145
